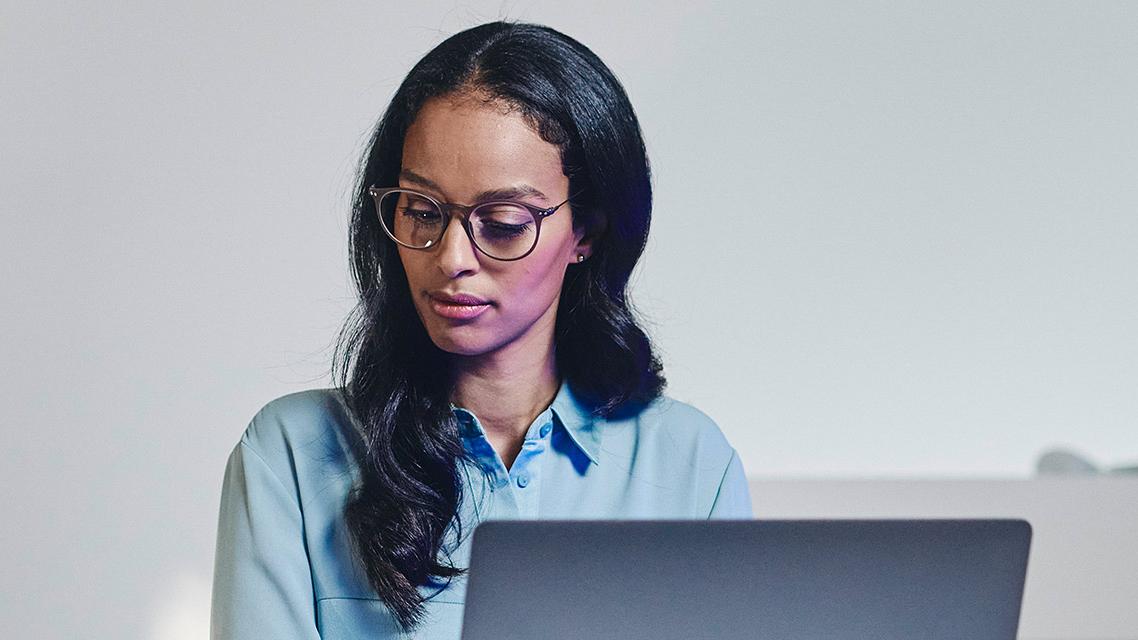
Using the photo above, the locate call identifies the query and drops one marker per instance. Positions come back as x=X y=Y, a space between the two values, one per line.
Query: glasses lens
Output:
x=503 y=230
x=411 y=218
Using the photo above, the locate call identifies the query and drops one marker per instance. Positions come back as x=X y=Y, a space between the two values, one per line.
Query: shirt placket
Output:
x=517 y=492
x=526 y=472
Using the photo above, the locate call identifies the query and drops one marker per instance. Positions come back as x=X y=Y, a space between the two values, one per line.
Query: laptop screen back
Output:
x=791 y=580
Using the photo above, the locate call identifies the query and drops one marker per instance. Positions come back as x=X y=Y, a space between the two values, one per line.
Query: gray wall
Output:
x=890 y=241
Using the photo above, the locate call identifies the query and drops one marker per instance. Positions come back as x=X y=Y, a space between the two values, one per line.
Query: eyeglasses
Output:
x=503 y=230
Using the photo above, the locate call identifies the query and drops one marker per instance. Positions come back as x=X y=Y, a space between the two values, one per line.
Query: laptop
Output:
x=784 y=579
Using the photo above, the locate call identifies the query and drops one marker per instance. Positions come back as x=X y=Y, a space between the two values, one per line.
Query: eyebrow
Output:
x=503 y=193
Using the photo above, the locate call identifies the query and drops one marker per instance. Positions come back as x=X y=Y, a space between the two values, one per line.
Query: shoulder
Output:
x=674 y=429
x=301 y=431
x=294 y=418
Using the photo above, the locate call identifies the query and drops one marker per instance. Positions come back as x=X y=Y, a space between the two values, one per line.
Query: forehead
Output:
x=466 y=145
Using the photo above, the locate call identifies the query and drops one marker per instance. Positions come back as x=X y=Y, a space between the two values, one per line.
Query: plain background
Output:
x=889 y=241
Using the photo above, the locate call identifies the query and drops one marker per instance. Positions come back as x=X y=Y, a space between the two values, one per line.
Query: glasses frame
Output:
x=539 y=214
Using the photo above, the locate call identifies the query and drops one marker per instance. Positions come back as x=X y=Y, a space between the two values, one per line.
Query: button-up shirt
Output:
x=284 y=567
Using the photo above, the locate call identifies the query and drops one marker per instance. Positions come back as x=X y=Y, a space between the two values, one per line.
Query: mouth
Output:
x=459 y=306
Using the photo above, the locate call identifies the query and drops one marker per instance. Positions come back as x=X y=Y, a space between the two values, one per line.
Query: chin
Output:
x=461 y=343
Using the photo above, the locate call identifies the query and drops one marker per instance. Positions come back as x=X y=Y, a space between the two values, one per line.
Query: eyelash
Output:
x=509 y=230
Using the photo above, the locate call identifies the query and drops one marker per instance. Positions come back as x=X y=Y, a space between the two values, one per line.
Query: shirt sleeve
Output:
x=733 y=501
x=262 y=582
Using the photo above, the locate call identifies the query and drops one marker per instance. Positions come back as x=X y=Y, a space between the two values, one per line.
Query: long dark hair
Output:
x=397 y=383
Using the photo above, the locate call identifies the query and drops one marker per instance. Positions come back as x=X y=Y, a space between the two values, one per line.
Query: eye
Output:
x=425 y=215
x=501 y=231
x=504 y=213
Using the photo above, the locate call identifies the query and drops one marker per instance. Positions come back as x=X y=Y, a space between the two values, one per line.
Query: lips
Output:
x=457 y=306
x=457 y=298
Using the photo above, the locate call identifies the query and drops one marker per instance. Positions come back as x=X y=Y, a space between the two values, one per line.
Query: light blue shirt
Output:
x=284 y=568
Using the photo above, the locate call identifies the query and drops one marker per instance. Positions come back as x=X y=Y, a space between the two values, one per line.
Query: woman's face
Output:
x=458 y=150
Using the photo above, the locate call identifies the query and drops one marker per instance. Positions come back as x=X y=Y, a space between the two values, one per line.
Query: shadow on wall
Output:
x=182 y=611
x=1065 y=462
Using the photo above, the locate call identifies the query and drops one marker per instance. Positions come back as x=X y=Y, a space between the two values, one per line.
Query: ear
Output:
x=584 y=248
x=586 y=236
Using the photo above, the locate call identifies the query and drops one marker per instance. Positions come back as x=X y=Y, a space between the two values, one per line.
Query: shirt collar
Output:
x=583 y=427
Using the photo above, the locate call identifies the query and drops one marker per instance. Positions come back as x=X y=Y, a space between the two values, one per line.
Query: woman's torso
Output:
x=667 y=461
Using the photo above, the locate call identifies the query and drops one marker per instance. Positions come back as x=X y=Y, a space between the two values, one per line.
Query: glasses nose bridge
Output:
x=450 y=208
x=463 y=211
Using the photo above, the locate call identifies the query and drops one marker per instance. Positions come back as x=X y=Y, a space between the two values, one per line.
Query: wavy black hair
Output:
x=397 y=383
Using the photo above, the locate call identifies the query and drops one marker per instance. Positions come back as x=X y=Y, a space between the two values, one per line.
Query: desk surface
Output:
x=1082 y=576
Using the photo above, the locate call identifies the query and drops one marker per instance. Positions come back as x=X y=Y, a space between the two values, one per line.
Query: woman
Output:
x=493 y=368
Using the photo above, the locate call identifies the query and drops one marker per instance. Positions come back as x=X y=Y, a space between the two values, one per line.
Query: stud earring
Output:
x=580 y=257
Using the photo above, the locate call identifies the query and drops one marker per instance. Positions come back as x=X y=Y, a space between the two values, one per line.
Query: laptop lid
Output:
x=791 y=579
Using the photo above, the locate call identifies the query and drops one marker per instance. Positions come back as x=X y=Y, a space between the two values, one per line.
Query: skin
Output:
x=504 y=360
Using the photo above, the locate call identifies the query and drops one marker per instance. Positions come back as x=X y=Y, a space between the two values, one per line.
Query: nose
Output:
x=456 y=253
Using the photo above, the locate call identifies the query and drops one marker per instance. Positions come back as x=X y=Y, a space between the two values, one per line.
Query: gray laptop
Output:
x=791 y=579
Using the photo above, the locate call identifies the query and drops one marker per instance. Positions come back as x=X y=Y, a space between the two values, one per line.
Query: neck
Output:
x=507 y=390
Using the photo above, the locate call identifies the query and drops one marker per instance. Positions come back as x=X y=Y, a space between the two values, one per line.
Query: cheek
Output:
x=533 y=289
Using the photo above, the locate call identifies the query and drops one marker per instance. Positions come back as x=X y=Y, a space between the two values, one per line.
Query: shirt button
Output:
x=545 y=429
x=523 y=480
